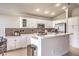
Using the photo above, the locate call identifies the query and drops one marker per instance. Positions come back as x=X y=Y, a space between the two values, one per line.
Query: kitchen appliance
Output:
x=16 y=33
x=60 y=27
x=41 y=29
x=40 y=25
x=31 y=50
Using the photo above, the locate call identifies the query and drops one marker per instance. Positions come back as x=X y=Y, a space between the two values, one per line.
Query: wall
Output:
x=61 y=16
x=75 y=12
x=9 y=21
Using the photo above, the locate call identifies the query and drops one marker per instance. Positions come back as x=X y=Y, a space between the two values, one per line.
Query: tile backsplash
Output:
x=10 y=31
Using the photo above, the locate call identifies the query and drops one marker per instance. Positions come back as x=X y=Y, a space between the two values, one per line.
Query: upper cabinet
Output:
x=73 y=21
x=33 y=22
x=23 y=22
x=73 y=25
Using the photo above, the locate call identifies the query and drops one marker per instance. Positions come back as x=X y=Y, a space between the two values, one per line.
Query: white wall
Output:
x=32 y=22
x=9 y=21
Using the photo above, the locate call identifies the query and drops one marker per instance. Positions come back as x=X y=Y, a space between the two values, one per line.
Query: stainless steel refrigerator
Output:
x=61 y=27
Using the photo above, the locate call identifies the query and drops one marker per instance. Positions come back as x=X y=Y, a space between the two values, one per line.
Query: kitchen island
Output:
x=51 y=44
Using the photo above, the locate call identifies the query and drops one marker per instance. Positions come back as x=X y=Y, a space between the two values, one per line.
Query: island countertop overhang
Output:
x=51 y=35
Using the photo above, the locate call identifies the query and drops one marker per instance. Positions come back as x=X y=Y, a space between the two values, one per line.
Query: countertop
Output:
x=51 y=35
x=40 y=36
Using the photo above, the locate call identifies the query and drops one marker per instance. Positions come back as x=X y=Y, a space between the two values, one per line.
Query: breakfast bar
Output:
x=51 y=44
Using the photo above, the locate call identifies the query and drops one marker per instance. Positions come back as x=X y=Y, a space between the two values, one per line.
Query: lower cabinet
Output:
x=16 y=42
x=23 y=42
x=10 y=43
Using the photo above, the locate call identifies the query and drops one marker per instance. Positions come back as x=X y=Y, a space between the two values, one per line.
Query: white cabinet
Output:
x=73 y=27
x=23 y=41
x=23 y=22
x=26 y=22
x=70 y=29
x=73 y=21
x=16 y=42
x=10 y=43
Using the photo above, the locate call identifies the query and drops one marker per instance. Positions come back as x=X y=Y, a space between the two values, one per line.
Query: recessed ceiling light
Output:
x=53 y=13
x=64 y=7
x=37 y=10
x=46 y=12
x=58 y=4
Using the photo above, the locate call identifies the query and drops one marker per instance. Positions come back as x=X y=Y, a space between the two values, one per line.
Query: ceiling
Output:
x=22 y=9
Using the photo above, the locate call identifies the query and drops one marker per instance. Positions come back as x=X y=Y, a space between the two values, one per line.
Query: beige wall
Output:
x=75 y=12
x=61 y=16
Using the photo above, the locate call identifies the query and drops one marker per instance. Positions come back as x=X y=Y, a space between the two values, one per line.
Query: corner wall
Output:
x=61 y=16
x=75 y=13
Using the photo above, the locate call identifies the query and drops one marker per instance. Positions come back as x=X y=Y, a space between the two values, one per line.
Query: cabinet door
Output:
x=70 y=28
x=73 y=21
x=23 y=41
x=18 y=42
x=73 y=27
x=23 y=23
x=10 y=44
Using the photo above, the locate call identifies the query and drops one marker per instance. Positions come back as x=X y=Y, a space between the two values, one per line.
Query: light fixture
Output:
x=64 y=7
x=58 y=4
x=53 y=13
x=37 y=9
x=46 y=12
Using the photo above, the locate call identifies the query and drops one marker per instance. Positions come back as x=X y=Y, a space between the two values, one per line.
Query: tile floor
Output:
x=23 y=52
x=73 y=52
x=19 y=52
